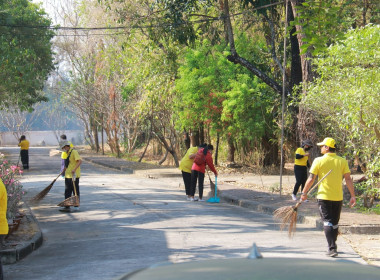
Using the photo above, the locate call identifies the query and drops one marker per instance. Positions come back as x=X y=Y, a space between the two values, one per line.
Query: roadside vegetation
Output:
x=165 y=74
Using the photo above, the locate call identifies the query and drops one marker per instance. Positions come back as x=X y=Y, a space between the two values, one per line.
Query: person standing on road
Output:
x=330 y=191
x=185 y=167
x=3 y=219
x=301 y=163
x=24 y=151
x=198 y=172
x=64 y=154
x=71 y=170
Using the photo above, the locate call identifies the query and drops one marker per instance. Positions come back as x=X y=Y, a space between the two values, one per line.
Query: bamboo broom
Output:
x=288 y=214
x=71 y=201
x=212 y=184
x=45 y=191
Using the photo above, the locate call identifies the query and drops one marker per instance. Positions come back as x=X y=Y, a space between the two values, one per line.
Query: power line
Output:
x=152 y=26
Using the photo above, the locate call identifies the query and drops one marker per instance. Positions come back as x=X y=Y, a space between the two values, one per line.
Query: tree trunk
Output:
x=194 y=138
x=94 y=131
x=147 y=144
x=271 y=156
x=306 y=123
x=186 y=139
x=231 y=149
x=217 y=148
x=164 y=158
x=235 y=58
x=165 y=144
x=201 y=133
x=296 y=69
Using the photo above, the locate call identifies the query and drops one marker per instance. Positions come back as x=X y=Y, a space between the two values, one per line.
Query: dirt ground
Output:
x=25 y=232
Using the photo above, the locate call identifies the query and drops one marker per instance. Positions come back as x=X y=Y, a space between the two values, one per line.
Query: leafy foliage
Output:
x=325 y=22
x=26 y=53
x=346 y=96
x=9 y=174
x=222 y=95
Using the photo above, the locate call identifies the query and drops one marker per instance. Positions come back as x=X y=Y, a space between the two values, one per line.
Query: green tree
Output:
x=346 y=95
x=223 y=97
x=26 y=52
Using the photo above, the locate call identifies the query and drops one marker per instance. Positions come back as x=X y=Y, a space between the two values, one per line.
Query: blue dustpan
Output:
x=214 y=199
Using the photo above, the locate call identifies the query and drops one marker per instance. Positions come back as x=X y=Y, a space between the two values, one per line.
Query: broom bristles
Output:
x=71 y=201
x=42 y=193
x=287 y=215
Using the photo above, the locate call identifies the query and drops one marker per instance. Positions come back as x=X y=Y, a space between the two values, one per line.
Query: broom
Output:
x=71 y=201
x=44 y=192
x=288 y=214
x=212 y=185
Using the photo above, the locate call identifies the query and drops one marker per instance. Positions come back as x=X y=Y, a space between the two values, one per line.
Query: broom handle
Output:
x=300 y=201
x=216 y=188
x=75 y=189
x=319 y=182
x=56 y=178
x=208 y=175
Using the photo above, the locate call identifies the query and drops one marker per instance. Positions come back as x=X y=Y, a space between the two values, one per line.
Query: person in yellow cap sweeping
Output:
x=330 y=191
x=71 y=171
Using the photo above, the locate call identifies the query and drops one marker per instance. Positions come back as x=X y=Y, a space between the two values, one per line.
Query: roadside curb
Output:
x=309 y=220
x=11 y=256
x=120 y=168
x=266 y=209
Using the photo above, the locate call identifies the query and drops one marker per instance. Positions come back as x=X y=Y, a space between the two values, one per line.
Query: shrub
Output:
x=9 y=175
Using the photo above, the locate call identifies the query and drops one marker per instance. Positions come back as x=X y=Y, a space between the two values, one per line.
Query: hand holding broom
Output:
x=288 y=214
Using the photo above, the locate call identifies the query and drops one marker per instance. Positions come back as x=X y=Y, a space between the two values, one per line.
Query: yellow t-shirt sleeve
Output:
x=301 y=161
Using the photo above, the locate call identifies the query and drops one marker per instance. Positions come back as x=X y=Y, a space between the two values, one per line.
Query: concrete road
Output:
x=126 y=223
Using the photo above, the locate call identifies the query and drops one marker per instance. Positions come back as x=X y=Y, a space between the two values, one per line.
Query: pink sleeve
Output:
x=210 y=163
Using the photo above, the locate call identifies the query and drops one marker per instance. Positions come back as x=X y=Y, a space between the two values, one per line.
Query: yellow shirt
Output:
x=186 y=163
x=24 y=145
x=74 y=157
x=331 y=186
x=301 y=161
x=3 y=209
x=64 y=154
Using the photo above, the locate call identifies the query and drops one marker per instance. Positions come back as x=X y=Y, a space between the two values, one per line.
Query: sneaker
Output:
x=294 y=197
x=188 y=198
x=201 y=200
x=195 y=199
x=332 y=253
x=191 y=198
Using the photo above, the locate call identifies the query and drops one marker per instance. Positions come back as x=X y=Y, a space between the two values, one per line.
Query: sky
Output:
x=50 y=7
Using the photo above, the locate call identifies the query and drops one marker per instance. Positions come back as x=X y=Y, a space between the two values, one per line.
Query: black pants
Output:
x=301 y=176
x=330 y=215
x=196 y=175
x=24 y=154
x=187 y=180
x=1 y=270
x=69 y=187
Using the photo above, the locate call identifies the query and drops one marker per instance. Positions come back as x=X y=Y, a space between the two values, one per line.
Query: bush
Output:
x=9 y=174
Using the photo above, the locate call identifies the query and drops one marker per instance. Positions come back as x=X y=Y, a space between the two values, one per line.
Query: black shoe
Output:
x=65 y=209
x=332 y=253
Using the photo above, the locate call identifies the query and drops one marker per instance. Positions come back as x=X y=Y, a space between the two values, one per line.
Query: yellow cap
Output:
x=328 y=142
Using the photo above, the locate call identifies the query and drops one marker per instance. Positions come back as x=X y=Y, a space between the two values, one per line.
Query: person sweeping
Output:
x=301 y=163
x=71 y=171
x=24 y=152
x=330 y=192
